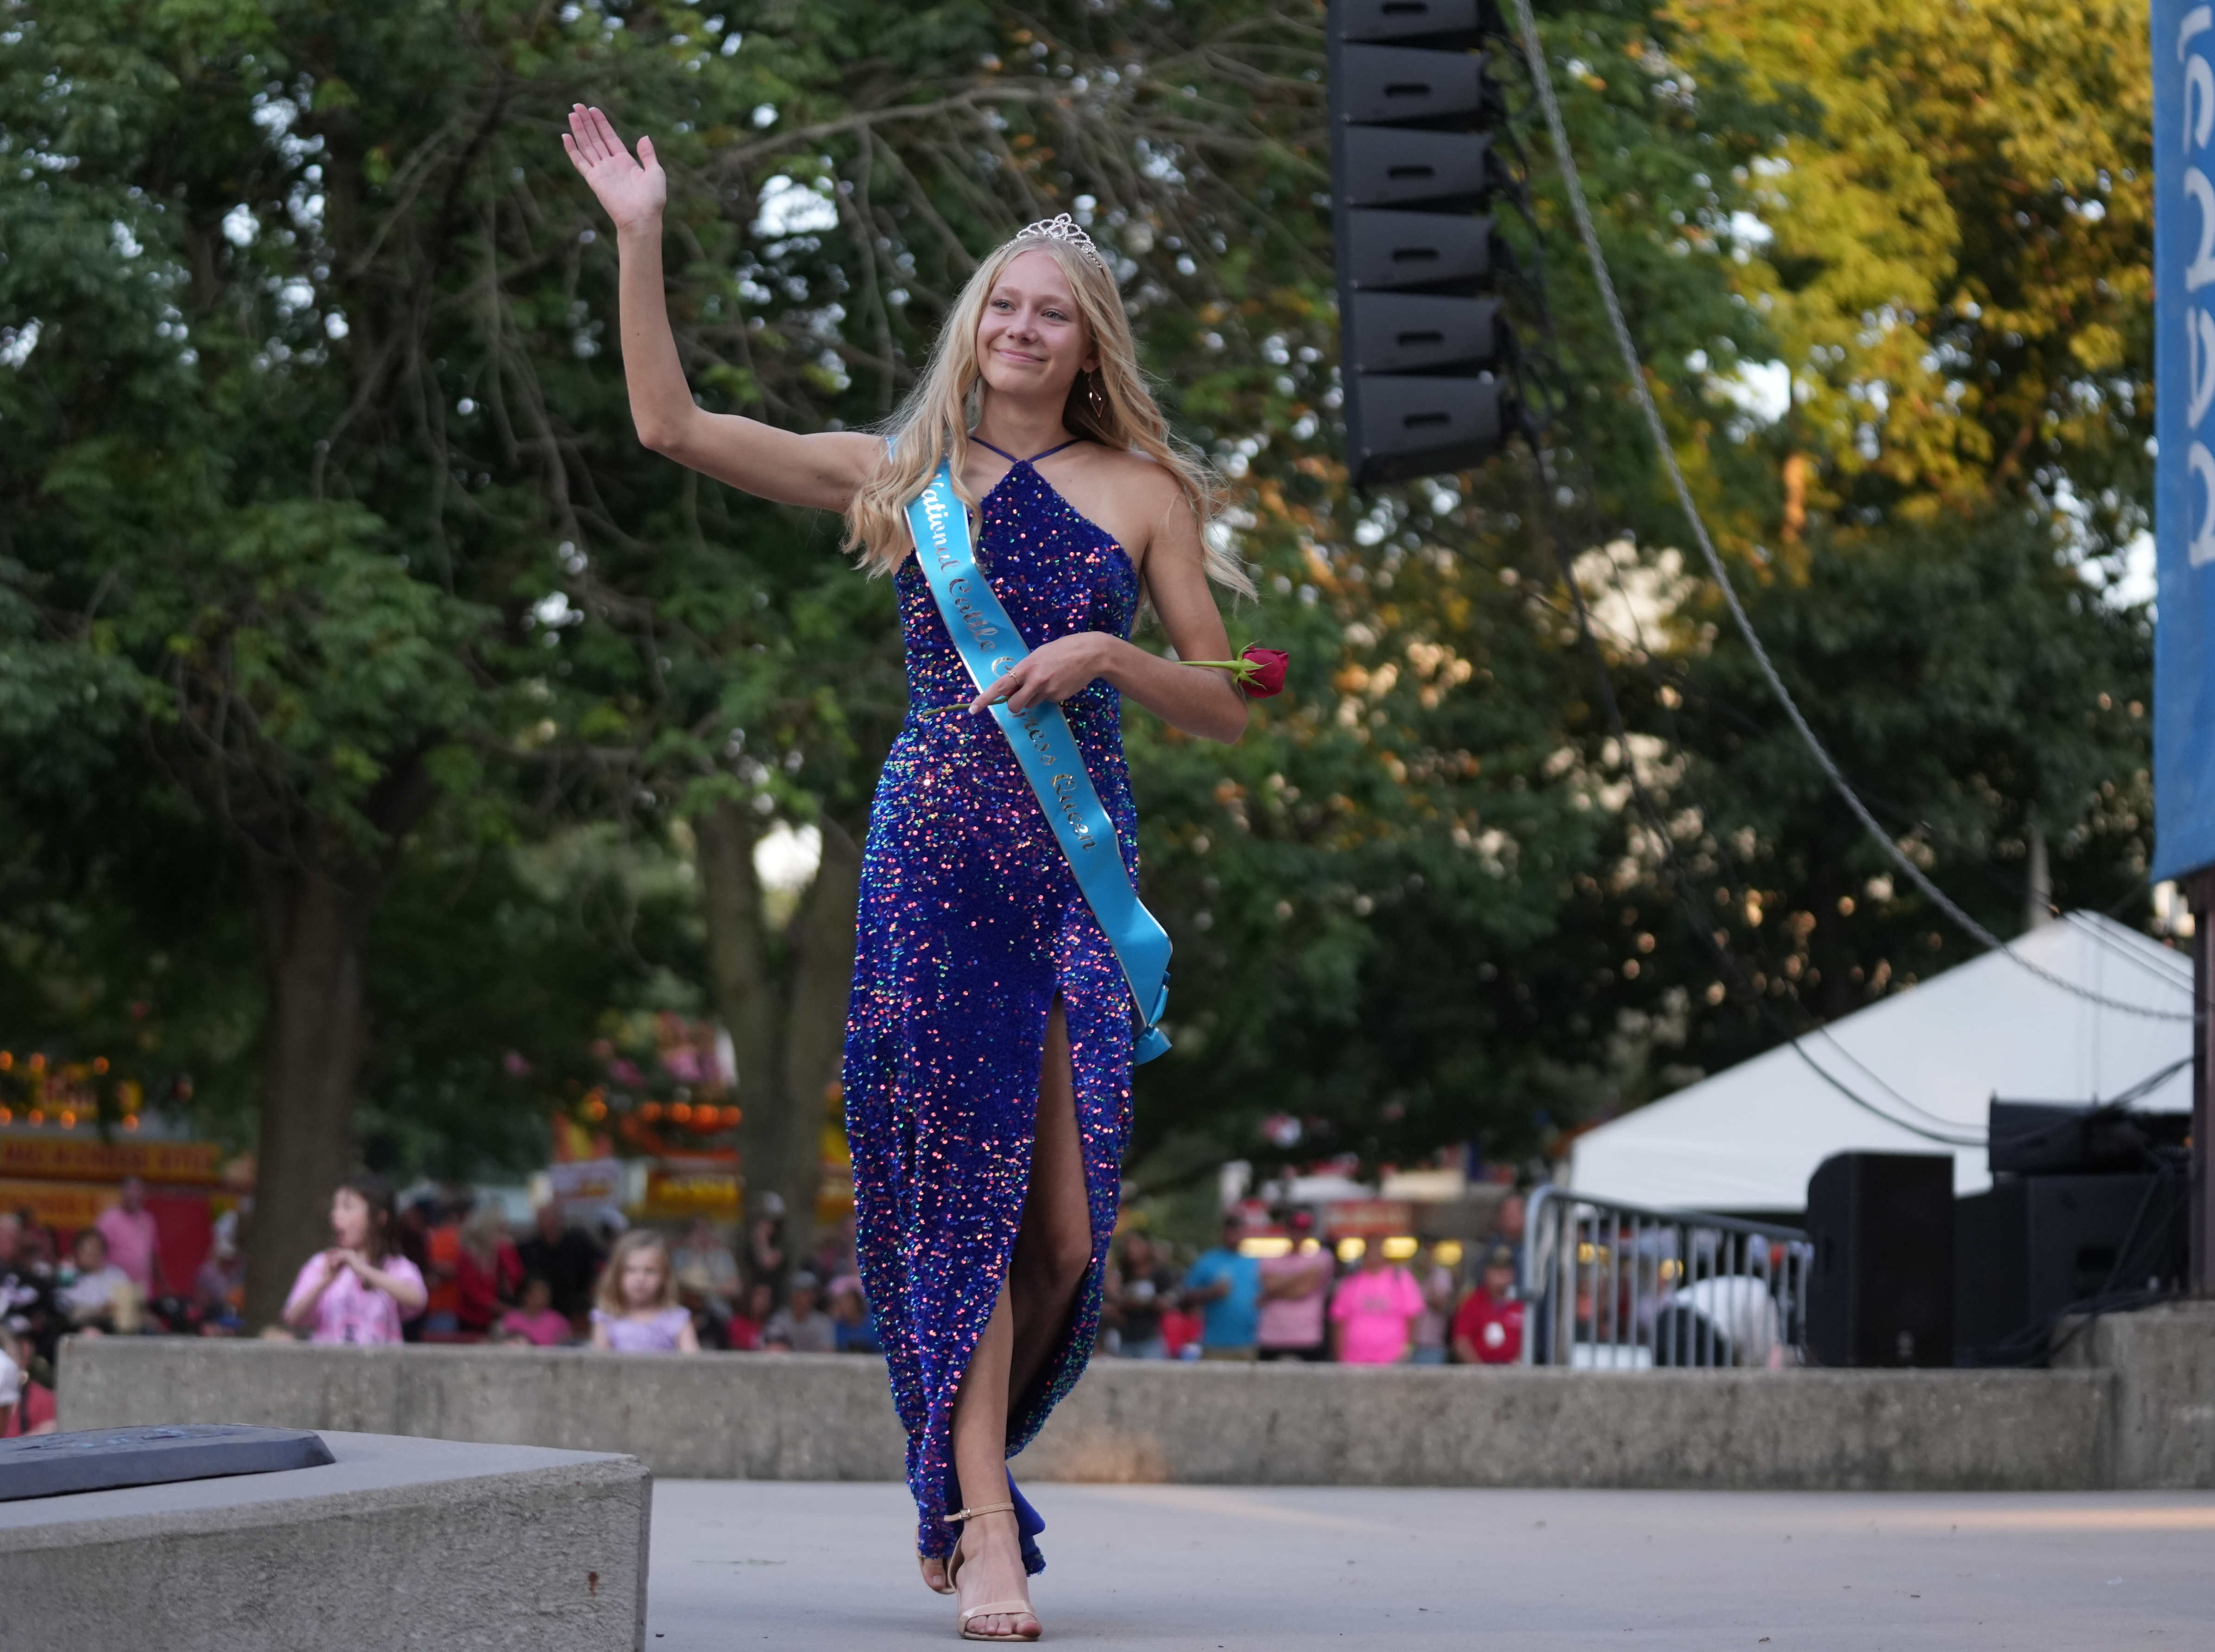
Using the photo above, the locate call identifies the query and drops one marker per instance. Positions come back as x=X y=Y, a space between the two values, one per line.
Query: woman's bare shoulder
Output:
x=1128 y=463
x=1153 y=487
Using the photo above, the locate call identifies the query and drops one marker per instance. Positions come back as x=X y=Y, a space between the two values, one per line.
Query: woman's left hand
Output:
x=1064 y=667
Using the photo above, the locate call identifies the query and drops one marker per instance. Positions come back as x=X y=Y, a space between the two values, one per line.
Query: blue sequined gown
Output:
x=970 y=925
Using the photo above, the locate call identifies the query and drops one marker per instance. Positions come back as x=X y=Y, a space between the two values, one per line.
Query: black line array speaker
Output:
x=1425 y=354
x=1881 y=1292
x=2031 y=1246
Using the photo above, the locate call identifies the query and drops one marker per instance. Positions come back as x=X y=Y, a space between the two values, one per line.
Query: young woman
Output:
x=361 y=1288
x=989 y=1043
x=637 y=1311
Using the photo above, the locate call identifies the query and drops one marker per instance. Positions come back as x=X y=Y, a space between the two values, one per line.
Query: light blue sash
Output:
x=991 y=646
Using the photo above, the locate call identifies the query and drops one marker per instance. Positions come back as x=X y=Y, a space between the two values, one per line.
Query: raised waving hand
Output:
x=633 y=192
x=822 y=469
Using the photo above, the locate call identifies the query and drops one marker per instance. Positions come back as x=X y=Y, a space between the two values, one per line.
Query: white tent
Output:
x=1933 y=1056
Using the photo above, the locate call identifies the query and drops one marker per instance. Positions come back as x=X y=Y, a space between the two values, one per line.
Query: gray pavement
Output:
x=1274 y=1569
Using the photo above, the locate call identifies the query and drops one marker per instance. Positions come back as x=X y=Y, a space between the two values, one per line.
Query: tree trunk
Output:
x=312 y=928
x=787 y=1036
x=747 y=996
x=815 y=1022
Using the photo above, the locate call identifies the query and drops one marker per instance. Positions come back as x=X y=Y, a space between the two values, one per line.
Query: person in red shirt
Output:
x=749 y=1315
x=488 y=1272
x=1489 y=1329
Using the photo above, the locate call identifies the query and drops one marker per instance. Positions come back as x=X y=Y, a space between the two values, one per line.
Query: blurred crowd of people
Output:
x=453 y=1270
x=1283 y=1294
x=106 y=1280
x=449 y=1271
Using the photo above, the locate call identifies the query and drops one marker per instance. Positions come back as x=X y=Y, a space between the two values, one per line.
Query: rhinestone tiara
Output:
x=1062 y=227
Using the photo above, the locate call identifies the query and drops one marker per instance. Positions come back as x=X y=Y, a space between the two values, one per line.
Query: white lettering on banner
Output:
x=2200 y=337
x=2199 y=101
x=2201 y=463
x=2199 y=78
x=2201 y=270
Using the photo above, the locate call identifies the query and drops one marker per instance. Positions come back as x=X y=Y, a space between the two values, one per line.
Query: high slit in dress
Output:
x=970 y=925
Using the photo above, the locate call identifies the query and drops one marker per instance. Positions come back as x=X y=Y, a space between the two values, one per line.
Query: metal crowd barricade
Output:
x=1608 y=1286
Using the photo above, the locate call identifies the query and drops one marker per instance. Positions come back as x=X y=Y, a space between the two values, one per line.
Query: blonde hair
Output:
x=610 y=1297
x=1110 y=405
x=484 y=1232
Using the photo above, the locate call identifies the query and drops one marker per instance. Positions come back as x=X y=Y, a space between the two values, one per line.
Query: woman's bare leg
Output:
x=1054 y=1247
x=992 y=1556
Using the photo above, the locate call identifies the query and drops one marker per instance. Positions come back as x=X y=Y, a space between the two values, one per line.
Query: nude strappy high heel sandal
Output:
x=991 y=1608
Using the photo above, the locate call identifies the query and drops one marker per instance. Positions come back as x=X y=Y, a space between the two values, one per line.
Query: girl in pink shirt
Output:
x=536 y=1322
x=1373 y=1310
x=638 y=1312
x=359 y=1290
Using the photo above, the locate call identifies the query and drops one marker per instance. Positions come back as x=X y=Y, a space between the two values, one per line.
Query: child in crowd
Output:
x=26 y=1407
x=361 y=1288
x=536 y=1322
x=637 y=1311
x=751 y=1316
x=219 y=1286
x=853 y=1326
x=96 y=1295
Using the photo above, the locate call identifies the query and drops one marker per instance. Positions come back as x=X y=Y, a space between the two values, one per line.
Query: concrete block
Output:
x=714 y=1417
x=828 y=1417
x=1799 y=1430
x=399 y=1543
x=2160 y=1429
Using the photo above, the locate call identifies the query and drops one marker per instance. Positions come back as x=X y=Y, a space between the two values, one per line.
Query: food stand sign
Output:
x=2184 y=426
x=72 y=1159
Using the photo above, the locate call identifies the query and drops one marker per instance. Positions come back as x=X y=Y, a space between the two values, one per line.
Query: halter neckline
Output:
x=1033 y=458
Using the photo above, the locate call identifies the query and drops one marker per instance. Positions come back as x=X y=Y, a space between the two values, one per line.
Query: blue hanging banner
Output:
x=991 y=646
x=2184 y=426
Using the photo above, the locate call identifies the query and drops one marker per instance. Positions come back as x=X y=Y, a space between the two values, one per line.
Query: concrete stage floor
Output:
x=1272 y=1569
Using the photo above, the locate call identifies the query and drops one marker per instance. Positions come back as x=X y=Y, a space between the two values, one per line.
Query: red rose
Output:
x=1267 y=674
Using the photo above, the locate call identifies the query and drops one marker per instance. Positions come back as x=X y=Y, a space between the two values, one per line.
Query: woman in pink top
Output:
x=359 y=1290
x=1373 y=1310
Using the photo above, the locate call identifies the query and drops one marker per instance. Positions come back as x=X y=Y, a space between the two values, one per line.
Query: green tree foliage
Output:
x=1961 y=275
x=1980 y=697
x=1947 y=241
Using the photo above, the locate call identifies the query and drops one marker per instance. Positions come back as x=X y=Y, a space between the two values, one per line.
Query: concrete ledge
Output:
x=713 y=1417
x=828 y=1417
x=409 y=1544
x=1742 y=1431
x=2160 y=1431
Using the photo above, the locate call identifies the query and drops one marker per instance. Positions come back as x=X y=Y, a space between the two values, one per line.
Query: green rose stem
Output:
x=1244 y=672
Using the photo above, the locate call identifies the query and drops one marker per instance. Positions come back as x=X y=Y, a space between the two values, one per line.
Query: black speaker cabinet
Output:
x=2031 y=1246
x=1881 y=1292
